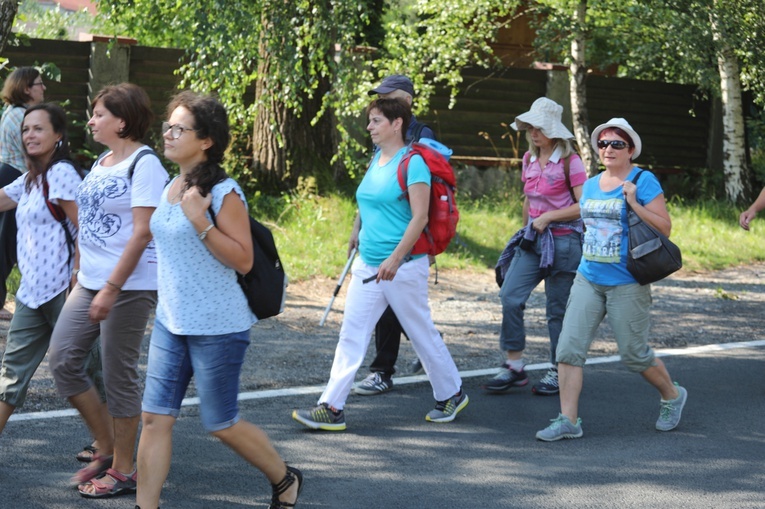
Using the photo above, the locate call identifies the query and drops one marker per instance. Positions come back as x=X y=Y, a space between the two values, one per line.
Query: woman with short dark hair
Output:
x=387 y=273
x=116 y=287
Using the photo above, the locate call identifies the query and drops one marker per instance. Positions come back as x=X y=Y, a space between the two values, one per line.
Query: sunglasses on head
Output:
x=615 y=144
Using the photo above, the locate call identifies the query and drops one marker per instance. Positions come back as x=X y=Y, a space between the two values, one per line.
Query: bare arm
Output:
x=746 y=216
x=353 y=241
x=419 y=200
x=5 y=202
x=230 y=241
x=104 y=300
x=654 y=213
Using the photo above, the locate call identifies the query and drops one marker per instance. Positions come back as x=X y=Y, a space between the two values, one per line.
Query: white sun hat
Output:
x=545 y=114
x=624 y=126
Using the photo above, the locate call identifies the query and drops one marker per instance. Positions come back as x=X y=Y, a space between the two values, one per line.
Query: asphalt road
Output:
x=390 y=457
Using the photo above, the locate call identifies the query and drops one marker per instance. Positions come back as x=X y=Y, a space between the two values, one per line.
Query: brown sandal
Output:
x=292 y=475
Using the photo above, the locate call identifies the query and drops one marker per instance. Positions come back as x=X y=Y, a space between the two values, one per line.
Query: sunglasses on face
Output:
x=615 y=144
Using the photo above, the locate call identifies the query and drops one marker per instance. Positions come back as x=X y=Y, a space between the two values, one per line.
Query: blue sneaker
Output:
x=560 y=428
x=669 y=415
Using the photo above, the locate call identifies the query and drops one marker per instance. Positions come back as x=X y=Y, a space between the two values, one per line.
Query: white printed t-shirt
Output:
x=106 y=199
x=40 y=240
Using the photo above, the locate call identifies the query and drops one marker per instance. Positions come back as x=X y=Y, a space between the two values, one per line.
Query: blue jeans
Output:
x=214 y=361
x=523 y=276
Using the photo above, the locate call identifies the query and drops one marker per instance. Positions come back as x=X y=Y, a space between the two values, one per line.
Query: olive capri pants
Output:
x=627 y=308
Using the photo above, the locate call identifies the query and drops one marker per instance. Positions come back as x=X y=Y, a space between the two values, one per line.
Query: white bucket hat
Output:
x=624 y=126
x=545 y=114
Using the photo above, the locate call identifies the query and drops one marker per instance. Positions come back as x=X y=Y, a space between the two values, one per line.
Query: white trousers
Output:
x=407 y=294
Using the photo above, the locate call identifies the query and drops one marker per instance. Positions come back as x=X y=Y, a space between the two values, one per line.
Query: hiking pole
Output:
x=337 y=288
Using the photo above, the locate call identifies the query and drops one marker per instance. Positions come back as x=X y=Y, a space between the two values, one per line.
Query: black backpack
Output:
x=265 y=284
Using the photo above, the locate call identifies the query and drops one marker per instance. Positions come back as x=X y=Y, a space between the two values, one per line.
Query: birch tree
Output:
x=578 y=89
x=735 y=166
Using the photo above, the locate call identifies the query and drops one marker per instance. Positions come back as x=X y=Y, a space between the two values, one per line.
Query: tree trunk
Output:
x=287 y=148
x=738 y=186
x=8 y=10
x=578 y=90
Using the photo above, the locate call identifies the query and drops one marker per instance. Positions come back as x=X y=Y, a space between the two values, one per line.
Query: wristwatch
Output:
x=203 y=233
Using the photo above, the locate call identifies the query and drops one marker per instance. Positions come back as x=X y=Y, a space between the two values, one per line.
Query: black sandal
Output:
x=292 y=475
x=87 y=454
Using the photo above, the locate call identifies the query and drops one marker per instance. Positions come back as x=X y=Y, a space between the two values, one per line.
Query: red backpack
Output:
x=443 y=215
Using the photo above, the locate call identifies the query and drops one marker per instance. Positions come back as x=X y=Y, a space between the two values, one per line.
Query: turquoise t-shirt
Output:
x=604 y=252
x=385 y=213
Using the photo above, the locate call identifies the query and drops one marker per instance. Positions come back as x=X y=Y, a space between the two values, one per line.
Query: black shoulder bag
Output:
x=651 y=255
x=265 y=284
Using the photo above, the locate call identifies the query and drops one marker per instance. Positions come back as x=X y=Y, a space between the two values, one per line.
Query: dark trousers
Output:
x=7 y=232
x=388 y=333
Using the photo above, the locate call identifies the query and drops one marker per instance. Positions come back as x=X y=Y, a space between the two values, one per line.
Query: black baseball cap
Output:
x=394 y=82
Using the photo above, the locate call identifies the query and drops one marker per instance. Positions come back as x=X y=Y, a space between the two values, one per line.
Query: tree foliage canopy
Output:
x=662 y=40
x=309 y=42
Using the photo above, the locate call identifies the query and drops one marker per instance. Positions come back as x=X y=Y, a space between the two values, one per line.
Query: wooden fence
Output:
x=677 y=128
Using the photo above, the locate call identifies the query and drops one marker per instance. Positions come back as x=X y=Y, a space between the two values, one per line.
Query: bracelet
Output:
x=115 y=285
x=203 y=233
x=75 y=272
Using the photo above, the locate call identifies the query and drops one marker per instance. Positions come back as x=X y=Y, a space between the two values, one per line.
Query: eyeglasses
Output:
x=176 y=131
x=615 y=144
x=37 y=84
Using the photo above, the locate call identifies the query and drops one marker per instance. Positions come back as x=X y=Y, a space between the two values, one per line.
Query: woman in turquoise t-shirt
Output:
x=386 y=274
x=603 y=284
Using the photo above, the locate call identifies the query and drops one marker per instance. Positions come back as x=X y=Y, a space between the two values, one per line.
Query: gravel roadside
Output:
x=292 y=350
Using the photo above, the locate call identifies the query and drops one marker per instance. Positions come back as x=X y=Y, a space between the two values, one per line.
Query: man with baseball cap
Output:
x=388 y=330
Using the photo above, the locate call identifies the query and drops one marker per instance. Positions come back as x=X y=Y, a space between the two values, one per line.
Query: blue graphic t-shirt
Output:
x=604 y=252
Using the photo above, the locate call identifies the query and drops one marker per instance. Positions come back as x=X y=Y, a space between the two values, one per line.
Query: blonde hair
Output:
x=565 y=146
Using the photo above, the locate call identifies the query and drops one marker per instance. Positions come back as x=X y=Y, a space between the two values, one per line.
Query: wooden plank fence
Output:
x=674 y=123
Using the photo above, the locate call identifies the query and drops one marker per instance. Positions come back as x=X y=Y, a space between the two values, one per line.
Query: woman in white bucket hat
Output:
x=603 y=285
x=547 y=248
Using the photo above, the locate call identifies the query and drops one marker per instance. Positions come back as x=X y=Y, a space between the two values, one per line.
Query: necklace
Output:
x=177 y=198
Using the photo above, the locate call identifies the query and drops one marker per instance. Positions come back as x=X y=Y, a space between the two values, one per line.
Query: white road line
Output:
x=405 y=380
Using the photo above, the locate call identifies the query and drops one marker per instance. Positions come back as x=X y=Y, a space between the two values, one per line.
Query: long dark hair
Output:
x=61 y=152
x=210 y=121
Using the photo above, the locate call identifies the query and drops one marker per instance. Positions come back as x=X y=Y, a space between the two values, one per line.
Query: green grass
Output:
x=710 y=238
x=312 y=238
x=312 y=234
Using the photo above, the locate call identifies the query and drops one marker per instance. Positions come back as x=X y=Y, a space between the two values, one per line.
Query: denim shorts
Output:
x=214 y=361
